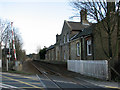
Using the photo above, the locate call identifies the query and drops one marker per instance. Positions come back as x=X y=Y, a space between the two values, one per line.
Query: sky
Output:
x=38 y=21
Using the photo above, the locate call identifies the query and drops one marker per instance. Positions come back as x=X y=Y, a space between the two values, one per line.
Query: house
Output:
x=62 y=50
x=82 y=45
x=50 y=54
x=88 y=45
x=80 y=41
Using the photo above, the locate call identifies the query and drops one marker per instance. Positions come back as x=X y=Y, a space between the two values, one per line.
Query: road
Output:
x=35 y=82
x=15 y=81
x=19 y=82
x=41 y=82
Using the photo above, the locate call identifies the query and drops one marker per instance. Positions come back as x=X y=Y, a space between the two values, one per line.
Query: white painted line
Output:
x=58 y=81
x=64 y=82
x=41 y=81
x=7 y=86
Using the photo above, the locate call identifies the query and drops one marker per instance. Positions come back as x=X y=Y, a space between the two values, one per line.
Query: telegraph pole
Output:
x=118 y=14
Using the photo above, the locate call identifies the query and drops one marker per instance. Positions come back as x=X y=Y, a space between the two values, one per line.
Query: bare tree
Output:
x=18 y=43
x=7 y=40
x=6 y=33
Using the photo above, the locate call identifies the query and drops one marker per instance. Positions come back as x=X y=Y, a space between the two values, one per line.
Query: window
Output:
x=67 y=37
x=64 y=55
x=64 y=38
x=89 y=47
x=78 y=49
x=60 y=42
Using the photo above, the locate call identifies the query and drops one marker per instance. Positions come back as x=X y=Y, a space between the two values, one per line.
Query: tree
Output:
x=5 y=33
x=18 y=43
x=7 y=40
x=42 y=53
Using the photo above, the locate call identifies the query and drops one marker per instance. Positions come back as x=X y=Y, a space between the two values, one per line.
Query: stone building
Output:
x=86 y=41
x=81 y=41
x=62 y=50
x=50 y=54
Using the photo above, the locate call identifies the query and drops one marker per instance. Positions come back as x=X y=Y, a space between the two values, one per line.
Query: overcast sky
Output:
x=38 y=20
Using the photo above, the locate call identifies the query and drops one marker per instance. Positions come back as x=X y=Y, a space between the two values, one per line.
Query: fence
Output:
x=98 y=68
x=0 y=63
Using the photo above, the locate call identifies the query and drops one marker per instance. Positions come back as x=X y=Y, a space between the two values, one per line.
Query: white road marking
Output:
x=64 y=82
x=41 y=81
x=6 y=86
x=58 y=81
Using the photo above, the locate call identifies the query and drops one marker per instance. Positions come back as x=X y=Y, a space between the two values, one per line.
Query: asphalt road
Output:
x=14 y=81
x=40 y=82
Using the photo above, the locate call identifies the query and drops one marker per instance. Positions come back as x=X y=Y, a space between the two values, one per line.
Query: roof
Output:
x=85 y=32
x=51 y=47
x=77 y=25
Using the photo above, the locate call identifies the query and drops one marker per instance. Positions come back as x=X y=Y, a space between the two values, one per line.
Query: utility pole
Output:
x=118 y=14
x=9 y=52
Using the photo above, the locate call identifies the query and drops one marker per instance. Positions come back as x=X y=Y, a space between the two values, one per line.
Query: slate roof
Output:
x=85 y=32
x=77 y=25
x=51 y=47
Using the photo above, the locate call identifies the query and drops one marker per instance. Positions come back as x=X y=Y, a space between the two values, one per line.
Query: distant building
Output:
x=33 y=56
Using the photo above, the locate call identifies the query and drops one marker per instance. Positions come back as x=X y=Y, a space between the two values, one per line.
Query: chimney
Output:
x=83 y=15
x=57 y=38
x=110 y=7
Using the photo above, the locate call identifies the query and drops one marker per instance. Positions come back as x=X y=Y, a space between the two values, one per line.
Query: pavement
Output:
x=101 y=83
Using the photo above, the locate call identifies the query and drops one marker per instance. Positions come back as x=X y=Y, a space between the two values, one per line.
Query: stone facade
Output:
x=65 y=48
x=81 y=41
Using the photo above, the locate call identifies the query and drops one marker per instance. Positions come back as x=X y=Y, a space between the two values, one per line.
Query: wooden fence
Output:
x=97 y=69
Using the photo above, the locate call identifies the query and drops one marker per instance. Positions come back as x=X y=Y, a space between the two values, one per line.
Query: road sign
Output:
x=8 y=56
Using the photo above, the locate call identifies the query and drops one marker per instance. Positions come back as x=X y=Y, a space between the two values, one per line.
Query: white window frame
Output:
x=64 y=55
x=60 y=42
x=78 y=48
x=89 y=42
x=64 y=39
x=67 y=37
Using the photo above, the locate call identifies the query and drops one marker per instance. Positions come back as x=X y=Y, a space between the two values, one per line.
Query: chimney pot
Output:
x=83 y=14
